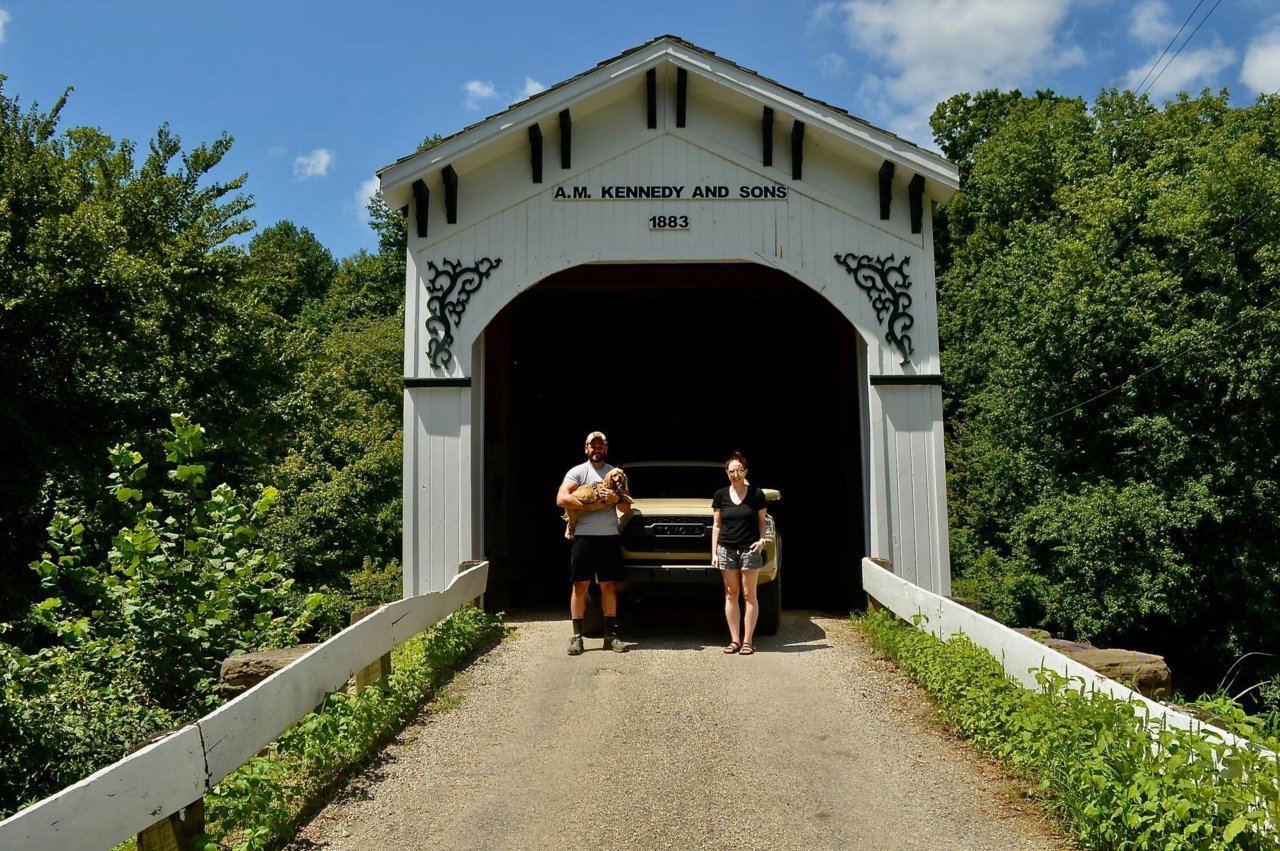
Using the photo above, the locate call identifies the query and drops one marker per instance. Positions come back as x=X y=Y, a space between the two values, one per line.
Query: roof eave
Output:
x=942 y=174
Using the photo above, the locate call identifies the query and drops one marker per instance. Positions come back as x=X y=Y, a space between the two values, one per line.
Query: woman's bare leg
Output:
x=732 y=613
x=752 y=606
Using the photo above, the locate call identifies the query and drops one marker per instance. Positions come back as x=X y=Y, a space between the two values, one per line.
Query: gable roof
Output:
x=817 y=115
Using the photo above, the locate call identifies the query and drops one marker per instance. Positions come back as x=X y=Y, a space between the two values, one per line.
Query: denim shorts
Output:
x=732 y=558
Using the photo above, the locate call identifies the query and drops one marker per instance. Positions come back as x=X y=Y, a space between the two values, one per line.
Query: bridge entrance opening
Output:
x=674 y=362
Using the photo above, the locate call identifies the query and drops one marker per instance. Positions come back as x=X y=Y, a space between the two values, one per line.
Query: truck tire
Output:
x=769 y=597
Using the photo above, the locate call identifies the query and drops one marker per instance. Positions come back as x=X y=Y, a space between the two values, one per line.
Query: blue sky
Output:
x=319 y=95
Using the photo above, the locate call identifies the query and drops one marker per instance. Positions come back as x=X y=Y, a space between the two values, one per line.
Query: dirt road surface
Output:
x=812 y=743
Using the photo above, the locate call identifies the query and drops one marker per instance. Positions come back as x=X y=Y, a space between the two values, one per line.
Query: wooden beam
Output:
x=797 y=149
x=421 y=195
x=378 y=669
x=566 y=138
x=651 y=96
x=915 y=194
x=766 y=135
x=450 y=194
x=535 y=151
x=682 y=94
x=886 y=189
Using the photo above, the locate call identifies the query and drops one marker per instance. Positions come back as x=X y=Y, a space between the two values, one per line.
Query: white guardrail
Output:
x=1020 y=655
x=125 y=798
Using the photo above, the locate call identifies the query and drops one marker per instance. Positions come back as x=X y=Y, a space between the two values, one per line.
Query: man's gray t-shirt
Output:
x=604 y=522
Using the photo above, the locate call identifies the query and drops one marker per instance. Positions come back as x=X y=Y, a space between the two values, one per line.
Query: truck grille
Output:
x=668 y=534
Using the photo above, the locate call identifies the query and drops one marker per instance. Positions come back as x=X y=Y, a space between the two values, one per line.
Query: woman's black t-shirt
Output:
x=739 y=527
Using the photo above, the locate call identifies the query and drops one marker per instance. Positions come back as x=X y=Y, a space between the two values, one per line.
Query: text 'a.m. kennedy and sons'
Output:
x=616 y=192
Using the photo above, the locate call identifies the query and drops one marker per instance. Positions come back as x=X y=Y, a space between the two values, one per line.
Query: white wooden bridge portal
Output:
x=659 y=193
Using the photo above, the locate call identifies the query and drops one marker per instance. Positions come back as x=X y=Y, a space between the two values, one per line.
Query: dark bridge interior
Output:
x=673 y=362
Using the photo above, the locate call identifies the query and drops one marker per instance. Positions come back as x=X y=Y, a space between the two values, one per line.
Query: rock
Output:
x=243 y=672
x=1033 y=633
x=1062 y=645
x=1145 y=673
x=968 y=603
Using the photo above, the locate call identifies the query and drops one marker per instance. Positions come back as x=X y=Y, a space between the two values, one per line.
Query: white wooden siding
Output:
x=539 y=236
x=438 y=504
x=914 y=484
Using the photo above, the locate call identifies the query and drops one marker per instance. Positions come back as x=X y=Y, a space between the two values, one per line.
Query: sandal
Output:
x=746 y=650
x=732 y=647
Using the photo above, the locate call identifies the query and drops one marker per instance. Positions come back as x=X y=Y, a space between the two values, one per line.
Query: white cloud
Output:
x=477 y=91
x=531 y=88
x=1261 y=69
x=931 y=49
x=1177 y=71
x=1191 y=69
x=1150 y=23
x=831 y=64
x=277 y=151
x=363 y=195
x=5 y=18
x=314 y=164
x=822 y=13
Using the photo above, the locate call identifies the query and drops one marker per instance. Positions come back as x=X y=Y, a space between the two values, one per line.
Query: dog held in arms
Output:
x=608 y=491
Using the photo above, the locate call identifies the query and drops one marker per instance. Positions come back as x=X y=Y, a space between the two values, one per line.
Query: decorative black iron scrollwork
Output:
x=886 y=284
x=449 y=291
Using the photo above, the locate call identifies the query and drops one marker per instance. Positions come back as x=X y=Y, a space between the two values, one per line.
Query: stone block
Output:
x=1145 y=673
x=243 y=672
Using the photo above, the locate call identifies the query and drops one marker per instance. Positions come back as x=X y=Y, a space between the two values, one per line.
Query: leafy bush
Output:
x=1093 y=757
x=136 y=624
x=376 y=583
x=264 y=801
x=1106 y=304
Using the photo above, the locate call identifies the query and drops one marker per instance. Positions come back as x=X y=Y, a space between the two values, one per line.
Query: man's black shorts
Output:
x=596 y=557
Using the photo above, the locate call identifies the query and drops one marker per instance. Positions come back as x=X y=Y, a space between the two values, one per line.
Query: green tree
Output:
x=341 y=476
x=288 y=268
x=1112 y=353
x=120 y=301
x=135 y=622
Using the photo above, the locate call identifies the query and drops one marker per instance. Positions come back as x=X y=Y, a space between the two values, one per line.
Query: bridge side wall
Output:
x=514 y=233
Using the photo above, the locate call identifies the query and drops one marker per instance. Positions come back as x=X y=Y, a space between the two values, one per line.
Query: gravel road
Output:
x=814 y=742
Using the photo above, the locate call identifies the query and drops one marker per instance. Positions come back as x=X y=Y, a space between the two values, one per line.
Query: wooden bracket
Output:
x=450 y=194
x=682 y=93
x=766 y=135
x=421 y=197
x=651 y=96
x=535 y=151
x=886 y=189
x=566 y=138
x=797 y=149
x=915 y=195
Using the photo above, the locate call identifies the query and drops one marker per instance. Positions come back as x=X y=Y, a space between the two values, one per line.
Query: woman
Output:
x=737 y=549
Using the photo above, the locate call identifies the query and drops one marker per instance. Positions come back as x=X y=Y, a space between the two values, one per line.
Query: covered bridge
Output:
x=590 y=257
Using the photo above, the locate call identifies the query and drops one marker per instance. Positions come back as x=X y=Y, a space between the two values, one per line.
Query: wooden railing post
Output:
x=377 y=669
x=873 y=605
x=176 y=833
x=478 y=602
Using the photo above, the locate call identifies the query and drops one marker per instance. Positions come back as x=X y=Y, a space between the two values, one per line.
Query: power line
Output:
x=1185 y=43
x=1156 y=64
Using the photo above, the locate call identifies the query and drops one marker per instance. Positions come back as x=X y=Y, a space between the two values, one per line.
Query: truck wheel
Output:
x=769 y=596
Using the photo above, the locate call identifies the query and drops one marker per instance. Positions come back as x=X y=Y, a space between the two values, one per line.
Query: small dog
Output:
x=615 y=482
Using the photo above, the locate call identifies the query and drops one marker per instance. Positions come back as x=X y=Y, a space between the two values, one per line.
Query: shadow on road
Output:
x=693 y=622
